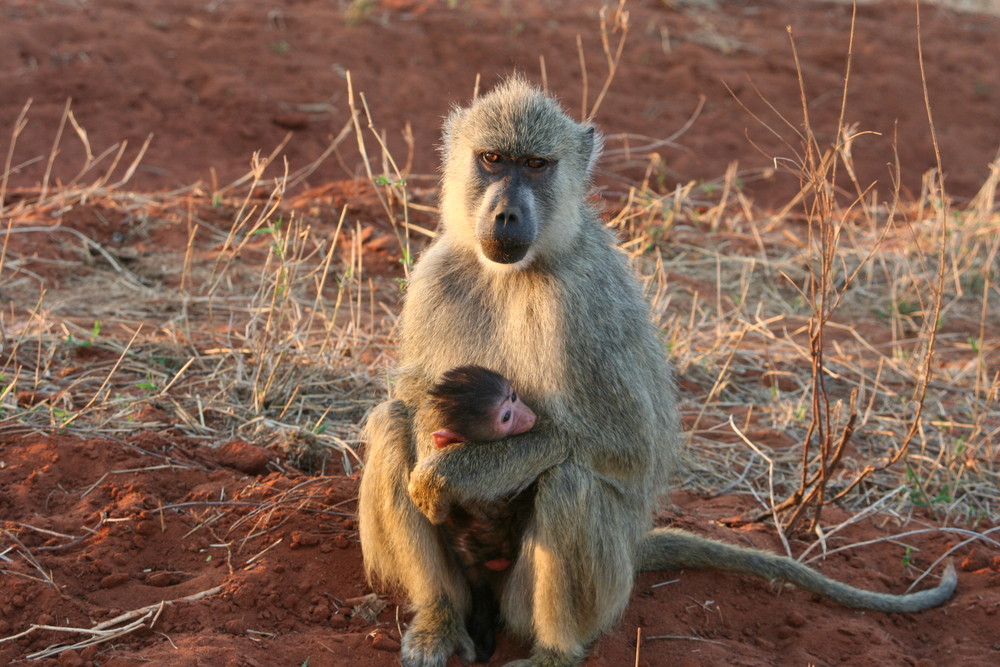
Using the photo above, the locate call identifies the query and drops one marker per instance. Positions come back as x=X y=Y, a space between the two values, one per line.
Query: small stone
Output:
x=291 y=120
x=236 y=627
x=383 y=641
x=114 y=580
x=795 y=619
x=974 y=561
x=242 y=456
x=303 y=539
x=161 y=579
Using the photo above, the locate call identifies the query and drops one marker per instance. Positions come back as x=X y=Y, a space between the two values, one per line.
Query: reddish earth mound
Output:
x=216 y=81
x=266 y=569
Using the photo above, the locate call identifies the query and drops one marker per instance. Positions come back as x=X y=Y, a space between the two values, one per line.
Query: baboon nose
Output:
x=509 y=235
x=507 y=217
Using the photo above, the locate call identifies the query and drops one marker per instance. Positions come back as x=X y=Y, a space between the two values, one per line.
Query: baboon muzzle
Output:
x=509 y=236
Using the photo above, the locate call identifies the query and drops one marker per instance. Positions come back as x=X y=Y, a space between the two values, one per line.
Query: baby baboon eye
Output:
x=506 y=417
x=536 y=162
x=492 y=158
x=513 y=396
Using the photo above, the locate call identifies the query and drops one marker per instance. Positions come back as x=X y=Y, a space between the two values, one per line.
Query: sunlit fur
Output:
x=569 y=328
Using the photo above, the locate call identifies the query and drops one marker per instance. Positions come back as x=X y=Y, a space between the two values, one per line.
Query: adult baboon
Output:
x=525 y=279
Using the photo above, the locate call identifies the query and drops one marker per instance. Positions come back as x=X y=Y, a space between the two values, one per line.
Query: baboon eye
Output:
x=513 y=396
x=492 y=158
x=536 y=162
x=506 y=417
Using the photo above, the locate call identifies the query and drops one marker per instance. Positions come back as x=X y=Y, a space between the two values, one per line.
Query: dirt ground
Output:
x=263 y=566
x=213 y=82
x=164 y=517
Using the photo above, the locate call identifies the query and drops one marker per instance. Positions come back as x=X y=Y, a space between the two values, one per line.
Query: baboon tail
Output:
x=673 y=549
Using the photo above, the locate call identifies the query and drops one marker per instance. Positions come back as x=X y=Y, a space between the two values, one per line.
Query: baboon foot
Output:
x=434 y=635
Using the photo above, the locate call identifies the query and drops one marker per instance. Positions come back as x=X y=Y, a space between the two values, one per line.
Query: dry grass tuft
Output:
x=232 y=312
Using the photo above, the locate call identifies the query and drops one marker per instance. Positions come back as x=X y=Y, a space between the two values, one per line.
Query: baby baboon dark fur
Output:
x=524 y=278
x=472 y=403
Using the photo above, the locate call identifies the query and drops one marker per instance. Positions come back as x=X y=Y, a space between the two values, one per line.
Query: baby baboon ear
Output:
x=593 y=145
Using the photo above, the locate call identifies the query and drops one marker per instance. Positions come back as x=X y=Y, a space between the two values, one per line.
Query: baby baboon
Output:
x=475 y=404
x=524 y=278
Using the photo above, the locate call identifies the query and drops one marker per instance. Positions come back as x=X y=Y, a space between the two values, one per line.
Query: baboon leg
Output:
x=402 y=548
x=576 y=572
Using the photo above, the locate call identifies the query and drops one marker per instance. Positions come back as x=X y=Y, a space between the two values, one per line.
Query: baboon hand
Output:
x=429 y=491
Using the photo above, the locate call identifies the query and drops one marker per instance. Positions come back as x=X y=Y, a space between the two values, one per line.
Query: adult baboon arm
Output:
x=483 y=471
x=672 y=549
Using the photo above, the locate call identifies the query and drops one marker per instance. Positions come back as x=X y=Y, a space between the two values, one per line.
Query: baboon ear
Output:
x=593 y=144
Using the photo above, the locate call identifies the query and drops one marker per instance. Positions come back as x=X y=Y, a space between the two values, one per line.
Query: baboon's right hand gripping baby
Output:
x=525 y=279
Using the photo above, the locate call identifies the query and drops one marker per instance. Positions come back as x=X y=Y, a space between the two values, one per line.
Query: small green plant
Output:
x=407 y=259
x=386 y=181
x=148 y=384
x=277 y=242
x=95 y=332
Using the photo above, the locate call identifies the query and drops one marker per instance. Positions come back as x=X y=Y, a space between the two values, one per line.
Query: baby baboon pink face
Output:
x=512 y=416
x=498 y=411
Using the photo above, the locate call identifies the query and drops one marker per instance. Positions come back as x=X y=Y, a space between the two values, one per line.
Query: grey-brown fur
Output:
x=568 y=326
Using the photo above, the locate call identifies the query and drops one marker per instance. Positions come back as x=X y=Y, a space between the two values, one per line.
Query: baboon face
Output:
x=516 y=171
x=509 y=187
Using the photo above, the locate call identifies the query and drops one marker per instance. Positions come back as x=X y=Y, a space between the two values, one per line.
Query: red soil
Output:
x=116 y=525
x=119 y=525
x=216 y=81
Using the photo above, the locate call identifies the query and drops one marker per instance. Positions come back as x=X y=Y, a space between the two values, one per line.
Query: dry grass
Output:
x=235 y=312
x=839 y=349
